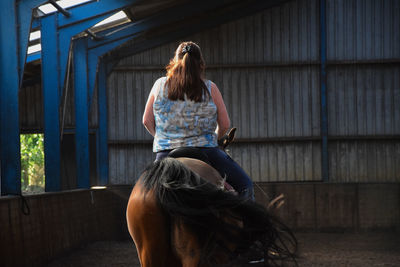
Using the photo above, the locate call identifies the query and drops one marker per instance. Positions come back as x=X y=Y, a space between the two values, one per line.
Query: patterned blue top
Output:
x=183 y=123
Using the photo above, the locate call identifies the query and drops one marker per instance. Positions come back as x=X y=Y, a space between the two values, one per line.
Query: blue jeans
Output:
x=226 y=166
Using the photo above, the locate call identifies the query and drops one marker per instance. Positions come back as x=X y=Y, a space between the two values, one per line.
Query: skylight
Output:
x=115 y=17
x=49 y=8
x=34 y=48
x=34 y=35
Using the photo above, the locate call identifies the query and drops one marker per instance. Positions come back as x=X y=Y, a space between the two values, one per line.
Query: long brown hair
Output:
x=185 y=74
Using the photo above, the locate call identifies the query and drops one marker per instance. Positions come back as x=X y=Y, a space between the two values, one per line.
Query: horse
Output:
x=180 y=214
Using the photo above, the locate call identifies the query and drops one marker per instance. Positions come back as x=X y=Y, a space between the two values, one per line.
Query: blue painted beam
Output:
x=65 y=36
x=323 y=83
x=102 y=136
x=82 y=17
x=33 y=57
x=57 y=32
x=55 y=53
x=50 y=85
x=93 y=59
x=81 y=113
x=9 y=115
x=170 y=15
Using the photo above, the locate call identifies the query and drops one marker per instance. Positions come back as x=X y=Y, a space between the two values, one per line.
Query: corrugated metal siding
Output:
x=126 y=163
x=363 y=29
x=284 y=34
x=364 y=100
x=67 y=109
x=127 y=96
x=31 y=108
x=68 y=99
x=93 y=112
x=279 y=161
x=263 y=101
x=267 y=68
x=363 y=96
x=271 y=102
x=364 y=161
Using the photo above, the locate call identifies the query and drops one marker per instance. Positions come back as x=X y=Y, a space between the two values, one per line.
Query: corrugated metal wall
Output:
x=363 y=29
x=31 y=108
x=265 y=67
x=363 y=45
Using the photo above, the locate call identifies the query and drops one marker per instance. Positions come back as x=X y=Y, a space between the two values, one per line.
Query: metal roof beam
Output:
x=171 y=15
x=60 y=9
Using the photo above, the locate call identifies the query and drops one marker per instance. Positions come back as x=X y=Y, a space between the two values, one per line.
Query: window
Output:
x=32 y=163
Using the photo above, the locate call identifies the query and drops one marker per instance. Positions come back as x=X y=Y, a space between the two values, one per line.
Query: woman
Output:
x=185 y=110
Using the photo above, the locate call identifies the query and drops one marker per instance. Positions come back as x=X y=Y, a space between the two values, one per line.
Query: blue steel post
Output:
x=102 y=137
x=56 y=33
x=81 y=113
x=323 y=81
x=9 y=115
x=50 y=85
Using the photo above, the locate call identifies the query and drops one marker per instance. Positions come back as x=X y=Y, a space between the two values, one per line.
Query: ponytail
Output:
x=185 y=74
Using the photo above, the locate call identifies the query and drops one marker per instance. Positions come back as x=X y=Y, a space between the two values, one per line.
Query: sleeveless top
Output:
x=183 y=123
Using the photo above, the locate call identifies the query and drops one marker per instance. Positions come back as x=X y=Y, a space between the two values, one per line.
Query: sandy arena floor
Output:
x=316 y=249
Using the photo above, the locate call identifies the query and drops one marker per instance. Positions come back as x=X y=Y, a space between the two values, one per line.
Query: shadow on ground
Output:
x=315 y=249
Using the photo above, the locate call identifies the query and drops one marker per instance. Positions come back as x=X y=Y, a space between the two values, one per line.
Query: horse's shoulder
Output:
x=142 y=201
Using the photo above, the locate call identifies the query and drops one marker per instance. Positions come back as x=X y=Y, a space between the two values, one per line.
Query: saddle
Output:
x=196 y=153
x=189 y=152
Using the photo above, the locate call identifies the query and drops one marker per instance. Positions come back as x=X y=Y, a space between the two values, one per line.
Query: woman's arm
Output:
x=222 y=114
x=148 y=115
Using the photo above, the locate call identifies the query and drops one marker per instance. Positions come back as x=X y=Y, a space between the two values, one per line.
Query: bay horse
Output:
x=178 y=215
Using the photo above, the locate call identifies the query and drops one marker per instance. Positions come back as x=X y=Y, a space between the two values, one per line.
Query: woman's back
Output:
x=185 y=110
x=183 y=122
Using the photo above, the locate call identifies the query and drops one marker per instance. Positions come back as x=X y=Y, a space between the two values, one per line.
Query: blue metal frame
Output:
x=57 y=31
x=51 y=96
x=81 y=114
x=323 y=82
x=102 y=131
x=15 y=18
x=9 y=120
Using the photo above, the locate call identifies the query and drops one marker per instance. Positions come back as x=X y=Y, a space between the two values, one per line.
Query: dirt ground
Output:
x=315 y=249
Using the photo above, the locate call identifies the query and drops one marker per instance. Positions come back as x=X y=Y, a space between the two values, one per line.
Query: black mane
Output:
x=212 y=215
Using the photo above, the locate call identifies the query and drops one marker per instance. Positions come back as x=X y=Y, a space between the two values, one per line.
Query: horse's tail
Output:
x=220 y=220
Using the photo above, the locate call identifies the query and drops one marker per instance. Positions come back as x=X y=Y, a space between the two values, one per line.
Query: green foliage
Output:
x=32 y=163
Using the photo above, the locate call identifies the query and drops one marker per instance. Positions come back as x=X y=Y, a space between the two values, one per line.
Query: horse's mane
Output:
x=212 y=215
